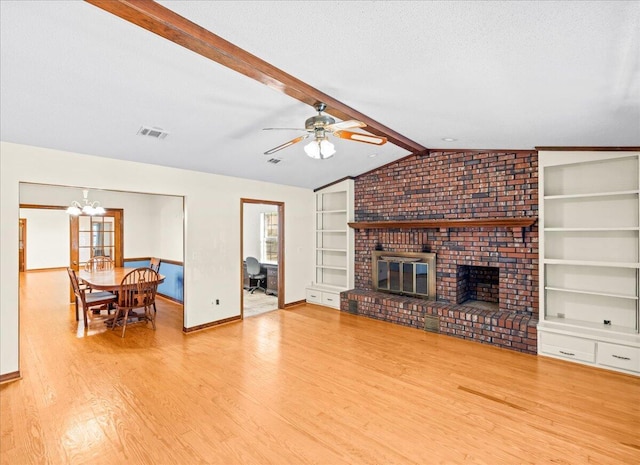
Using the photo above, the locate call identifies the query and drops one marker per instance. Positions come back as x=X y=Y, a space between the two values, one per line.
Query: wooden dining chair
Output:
x=155 y=264
x=99 y=263
x=137 y=290
x=89 y=300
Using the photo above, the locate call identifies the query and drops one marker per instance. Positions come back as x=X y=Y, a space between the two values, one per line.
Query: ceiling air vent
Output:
x=155 y=133
x=274 y=161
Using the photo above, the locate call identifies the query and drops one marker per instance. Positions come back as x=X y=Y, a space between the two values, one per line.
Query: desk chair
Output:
x=253 y=270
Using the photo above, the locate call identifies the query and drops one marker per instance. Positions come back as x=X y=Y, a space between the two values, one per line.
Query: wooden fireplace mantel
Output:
x=521 y=222
x=516 y=224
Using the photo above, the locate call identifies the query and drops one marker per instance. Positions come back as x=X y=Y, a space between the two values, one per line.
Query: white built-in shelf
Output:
x=557 y=261
x=589 y=257
x=328 y=288
x=332 y=267
x=603 y=294
x=624 y=228
x=591 y=325
x=334 y=242
x=594 y=194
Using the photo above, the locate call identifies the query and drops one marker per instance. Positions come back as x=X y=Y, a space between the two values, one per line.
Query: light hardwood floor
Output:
x=307 y=385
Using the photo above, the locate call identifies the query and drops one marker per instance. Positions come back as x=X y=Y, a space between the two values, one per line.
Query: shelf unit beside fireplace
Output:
x=333 y=267
x=590 y=267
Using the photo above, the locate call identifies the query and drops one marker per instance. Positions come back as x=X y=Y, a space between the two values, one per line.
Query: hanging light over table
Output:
x=88 y=208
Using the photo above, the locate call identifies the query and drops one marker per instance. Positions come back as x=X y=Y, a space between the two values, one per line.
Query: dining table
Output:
x=107 y=280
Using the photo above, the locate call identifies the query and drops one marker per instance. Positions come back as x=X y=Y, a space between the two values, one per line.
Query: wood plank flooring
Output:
x=307 y=385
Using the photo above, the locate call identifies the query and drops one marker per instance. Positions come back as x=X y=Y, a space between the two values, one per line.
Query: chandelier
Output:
x=88 y=208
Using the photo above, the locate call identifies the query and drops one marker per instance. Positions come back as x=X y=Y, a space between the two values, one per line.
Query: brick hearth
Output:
x=455 y=186
x=510 y=330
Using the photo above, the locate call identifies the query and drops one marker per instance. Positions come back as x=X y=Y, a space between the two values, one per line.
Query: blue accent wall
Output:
x=173 y=278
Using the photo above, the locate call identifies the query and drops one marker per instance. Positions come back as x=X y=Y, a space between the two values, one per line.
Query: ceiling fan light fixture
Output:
x=320 y=149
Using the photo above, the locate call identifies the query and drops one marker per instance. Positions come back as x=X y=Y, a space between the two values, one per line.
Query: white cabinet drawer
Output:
x=613 y=355
x=327 y=298
x=331 y=299
x=314 y=296
x=568 y=347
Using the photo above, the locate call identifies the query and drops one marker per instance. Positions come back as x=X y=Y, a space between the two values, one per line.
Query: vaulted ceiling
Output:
x=491 y=75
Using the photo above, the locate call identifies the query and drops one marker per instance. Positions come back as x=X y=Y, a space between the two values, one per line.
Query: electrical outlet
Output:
x=217 y=301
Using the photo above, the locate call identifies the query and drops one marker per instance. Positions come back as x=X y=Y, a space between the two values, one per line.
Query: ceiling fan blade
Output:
x=359 y=137
x=287 y=144
x=283 y=129
x=349 y=124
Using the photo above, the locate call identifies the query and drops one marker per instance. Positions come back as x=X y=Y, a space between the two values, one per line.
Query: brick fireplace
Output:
x=486 y=276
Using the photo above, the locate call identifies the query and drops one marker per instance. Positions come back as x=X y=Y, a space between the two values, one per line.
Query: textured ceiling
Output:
x=493 y=75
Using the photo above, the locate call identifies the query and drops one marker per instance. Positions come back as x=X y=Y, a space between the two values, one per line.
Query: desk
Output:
x=107 y=280
x=271 y=278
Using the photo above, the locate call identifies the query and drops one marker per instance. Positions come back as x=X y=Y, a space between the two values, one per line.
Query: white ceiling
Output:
x=493 y=75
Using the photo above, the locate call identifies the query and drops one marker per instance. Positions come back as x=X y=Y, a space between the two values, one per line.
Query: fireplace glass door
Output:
x=403 y=277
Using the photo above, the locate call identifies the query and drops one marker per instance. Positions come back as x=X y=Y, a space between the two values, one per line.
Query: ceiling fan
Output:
x=320 y=126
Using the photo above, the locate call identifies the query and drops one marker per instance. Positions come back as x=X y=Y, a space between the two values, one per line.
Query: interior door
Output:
x=93 y=236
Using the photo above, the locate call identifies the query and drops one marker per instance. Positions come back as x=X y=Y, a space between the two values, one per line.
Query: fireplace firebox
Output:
x=405 y=273
x=478 y=286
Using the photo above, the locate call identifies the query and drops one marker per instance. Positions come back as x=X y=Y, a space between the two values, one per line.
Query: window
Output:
x=269 y=237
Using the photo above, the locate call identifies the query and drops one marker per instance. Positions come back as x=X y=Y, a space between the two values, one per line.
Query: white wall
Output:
x=169 y=227
x=47 y=243
x=212 y=228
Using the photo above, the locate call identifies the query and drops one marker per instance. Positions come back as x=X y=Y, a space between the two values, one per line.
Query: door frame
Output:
x=281 y=284
x=22 y=240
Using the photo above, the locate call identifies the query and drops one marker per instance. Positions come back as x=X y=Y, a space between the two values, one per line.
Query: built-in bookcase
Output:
x=590 y=257
x=333 y=244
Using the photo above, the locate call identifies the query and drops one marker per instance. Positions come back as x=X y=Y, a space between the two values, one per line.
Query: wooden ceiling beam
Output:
x=164 y=22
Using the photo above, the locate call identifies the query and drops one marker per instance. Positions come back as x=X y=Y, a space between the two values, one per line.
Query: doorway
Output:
x=153 y=227
x=262 y=242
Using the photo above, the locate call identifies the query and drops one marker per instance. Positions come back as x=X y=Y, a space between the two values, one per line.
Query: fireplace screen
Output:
x=406 y=273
